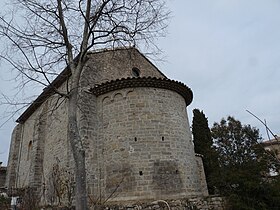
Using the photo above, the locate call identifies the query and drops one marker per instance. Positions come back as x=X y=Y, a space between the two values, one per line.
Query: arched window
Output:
x=29 y=150
x=135 y=72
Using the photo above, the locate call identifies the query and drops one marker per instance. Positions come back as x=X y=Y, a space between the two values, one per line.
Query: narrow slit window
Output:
x=29 y=150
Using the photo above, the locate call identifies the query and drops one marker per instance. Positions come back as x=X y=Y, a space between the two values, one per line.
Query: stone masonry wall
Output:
x=137 y=141
x=202 y=177
x=26 y=150
x=111 y=65
x=202 y=203
x=38 y=144
x=102 y=67
x=147 y=151
x=41 y=141
x=57 y=156
x=13 y=157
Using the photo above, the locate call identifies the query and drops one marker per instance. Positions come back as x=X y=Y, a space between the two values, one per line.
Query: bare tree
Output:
x=44 y=35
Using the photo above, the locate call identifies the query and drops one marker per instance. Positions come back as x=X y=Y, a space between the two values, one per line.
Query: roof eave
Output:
x=47 y=92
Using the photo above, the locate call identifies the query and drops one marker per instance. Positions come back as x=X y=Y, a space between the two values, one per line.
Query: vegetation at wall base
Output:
x=4 y=203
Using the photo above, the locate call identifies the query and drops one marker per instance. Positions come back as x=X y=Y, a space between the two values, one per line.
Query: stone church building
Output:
x=134 y=125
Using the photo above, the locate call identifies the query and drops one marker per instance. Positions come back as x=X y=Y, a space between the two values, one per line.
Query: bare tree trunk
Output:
x=76 y=143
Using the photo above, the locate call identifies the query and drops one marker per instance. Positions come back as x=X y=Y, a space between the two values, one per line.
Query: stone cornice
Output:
x=154 y=82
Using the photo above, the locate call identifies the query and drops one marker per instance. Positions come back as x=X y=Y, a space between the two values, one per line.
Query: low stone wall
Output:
x=207 y=203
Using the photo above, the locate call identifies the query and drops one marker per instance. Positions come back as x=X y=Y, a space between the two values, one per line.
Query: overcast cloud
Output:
x=226 y=51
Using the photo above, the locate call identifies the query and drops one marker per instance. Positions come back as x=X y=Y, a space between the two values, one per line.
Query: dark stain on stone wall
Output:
x=166 y=176
x=120 y=178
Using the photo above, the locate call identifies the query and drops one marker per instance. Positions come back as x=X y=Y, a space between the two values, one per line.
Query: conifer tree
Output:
x=203 y=144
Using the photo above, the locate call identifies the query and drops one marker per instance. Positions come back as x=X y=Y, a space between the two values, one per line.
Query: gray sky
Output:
x=226 y=51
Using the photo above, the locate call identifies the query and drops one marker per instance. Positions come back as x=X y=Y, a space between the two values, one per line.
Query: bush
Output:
x=4 y=203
